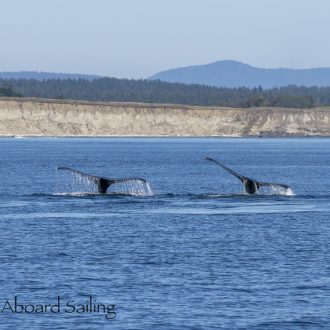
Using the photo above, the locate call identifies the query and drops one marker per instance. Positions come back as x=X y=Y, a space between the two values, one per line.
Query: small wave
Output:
x=62 y=194
x=233 y=195
x=74 y=194
x=82 y=194
x=302 y=323
x=243 y=195
x=88 y=194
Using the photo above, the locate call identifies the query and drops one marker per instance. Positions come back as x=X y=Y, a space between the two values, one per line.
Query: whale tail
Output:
x=251 y=186
x=102 y=183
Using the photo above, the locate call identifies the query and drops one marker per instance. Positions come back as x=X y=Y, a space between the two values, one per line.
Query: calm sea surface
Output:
x=197 y=254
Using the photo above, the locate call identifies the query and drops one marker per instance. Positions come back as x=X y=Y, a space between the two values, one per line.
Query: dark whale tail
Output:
x=102 y=183
x=251 y=186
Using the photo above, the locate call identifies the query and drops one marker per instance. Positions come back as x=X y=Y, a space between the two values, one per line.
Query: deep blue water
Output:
x=198 y=254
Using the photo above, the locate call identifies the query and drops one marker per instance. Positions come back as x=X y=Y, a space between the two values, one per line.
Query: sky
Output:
x=138 y=38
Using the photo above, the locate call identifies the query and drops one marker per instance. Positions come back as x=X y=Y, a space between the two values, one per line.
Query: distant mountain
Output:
x=236 y=74
x=45 y=75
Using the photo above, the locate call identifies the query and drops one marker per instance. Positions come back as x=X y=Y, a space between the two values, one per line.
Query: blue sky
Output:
x=137 y=38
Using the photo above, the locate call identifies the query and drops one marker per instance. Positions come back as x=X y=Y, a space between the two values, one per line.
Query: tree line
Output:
x=155 y=91
x=9 y=92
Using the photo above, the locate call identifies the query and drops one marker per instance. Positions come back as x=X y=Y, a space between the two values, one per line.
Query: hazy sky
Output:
x=137 y=38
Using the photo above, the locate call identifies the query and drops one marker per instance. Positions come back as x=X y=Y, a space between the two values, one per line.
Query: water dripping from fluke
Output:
x=132 y=187
x=83 y=183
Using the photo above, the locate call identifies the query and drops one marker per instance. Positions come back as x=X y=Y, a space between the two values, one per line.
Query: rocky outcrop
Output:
x=21 y=116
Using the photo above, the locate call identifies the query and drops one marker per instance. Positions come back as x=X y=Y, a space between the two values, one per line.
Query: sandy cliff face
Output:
x=69 y=118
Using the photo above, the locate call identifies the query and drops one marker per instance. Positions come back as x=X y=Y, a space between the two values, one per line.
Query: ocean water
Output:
x=191 y=252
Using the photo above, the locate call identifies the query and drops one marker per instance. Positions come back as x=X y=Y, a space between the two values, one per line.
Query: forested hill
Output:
x=147 y=91
x=233 y=74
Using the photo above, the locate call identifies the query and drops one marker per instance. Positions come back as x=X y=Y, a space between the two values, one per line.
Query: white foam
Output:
x=276 y=190
x=74 y=193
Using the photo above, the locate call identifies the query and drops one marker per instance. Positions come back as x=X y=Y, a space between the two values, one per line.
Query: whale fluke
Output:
x=102 y=183
x=251 y=186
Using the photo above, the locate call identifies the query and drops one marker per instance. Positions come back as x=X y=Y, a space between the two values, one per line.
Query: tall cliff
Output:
x=68 y=118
